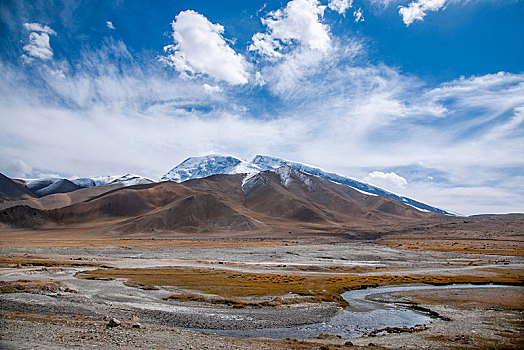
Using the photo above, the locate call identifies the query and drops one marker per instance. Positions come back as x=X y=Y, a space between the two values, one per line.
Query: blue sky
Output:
x=422 y=97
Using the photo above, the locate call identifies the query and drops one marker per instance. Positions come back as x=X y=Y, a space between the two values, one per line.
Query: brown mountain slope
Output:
x=280 y=200
x=60 y=200
x=265 y=195
x=123 y=202
x=23 y=216
x=292 y=195
x=196 y=213
x=11 y=190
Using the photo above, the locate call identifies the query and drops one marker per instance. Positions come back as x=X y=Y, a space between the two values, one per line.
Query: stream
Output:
x=362 y=316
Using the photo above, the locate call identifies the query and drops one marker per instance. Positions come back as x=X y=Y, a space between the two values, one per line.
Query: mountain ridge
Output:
x=279 y=200
x=198 y=167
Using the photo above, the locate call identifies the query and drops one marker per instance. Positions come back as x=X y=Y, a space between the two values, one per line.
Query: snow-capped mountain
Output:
x=126 y=180
x=199 y=167
x=271 y=163
x=46 y=186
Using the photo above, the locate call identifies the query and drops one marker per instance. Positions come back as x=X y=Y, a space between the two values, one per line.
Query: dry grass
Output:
x=140 y=285
x=488 y=247
x=14 y=261
x=33 y=287
x=459 y=341
x=318 y=288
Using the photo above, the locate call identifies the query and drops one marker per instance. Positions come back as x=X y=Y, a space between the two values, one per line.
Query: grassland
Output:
x=318 y=288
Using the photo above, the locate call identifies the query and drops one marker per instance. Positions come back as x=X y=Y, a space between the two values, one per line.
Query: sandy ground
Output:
x=58 y=319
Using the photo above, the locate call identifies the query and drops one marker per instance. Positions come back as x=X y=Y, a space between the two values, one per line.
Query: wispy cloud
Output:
x=110 y=25
x=117 y=111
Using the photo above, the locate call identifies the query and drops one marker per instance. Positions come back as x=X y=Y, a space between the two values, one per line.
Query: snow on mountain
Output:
x=199 y=167
x=272 y=163
x=58 y=185
x=83 y=182
x=126 y=180
x=288 y=174
x=38 y=184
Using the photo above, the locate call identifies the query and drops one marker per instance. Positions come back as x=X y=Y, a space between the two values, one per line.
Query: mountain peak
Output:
x=199 y=167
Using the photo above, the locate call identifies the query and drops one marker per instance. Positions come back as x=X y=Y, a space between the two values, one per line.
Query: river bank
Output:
x=76 y=312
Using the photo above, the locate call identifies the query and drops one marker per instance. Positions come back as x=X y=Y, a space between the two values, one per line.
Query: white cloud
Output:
x=212 y=89
x=200 y=48
x=343 y=118
x=298 y=23
x=389 y=181
x=295 y=44
x=416 y=11
x=15 y=168
x=340 y=5
x=384 y=3
x=110 y=25
x=37 y=27
x=359 y=15
x=39 y=46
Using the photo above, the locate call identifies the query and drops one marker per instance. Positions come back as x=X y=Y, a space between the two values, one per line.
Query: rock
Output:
x=323 y=347
x=136 y=325
x=461 y=339
x=348 y=343
x=113 y=322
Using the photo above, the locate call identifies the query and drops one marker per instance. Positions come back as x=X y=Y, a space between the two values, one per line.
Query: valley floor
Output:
x=182 y=291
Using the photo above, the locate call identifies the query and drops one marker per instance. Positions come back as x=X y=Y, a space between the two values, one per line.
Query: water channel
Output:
x=362 y=316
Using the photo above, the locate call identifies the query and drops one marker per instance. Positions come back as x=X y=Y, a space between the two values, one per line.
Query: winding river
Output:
x=362 y=316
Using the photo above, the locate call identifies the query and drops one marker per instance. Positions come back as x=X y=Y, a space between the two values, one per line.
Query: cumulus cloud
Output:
x=416 y=10
x=110 y=25
x=340 y=5
x=200 y=48
x=386 y=180
x=298 y=23
x=39 y=46
x=295 y=44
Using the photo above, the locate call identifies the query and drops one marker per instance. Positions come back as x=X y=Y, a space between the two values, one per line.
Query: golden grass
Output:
x=34 y=287
x=13 y=261
x=491 y=247
x=319 y=288
x=454 y=341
